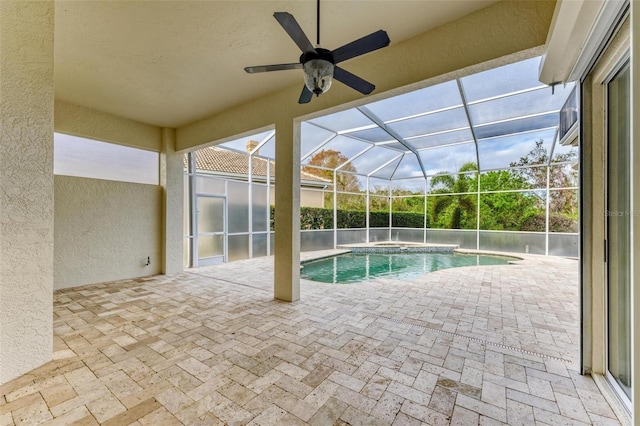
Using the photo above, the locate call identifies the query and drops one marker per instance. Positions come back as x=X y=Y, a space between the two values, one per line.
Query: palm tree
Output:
x=455 y=211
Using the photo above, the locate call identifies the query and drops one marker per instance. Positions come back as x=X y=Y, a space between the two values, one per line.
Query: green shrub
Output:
x=535 y=223
x=379 y=219
x=351 y=219
x=319 y=218
x=560 y=223
x=408 y=220
x=316 y=218
x=557 y=223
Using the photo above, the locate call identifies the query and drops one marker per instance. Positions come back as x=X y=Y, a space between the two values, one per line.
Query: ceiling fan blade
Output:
x=276 y=67
x=305 y=96
x=292 y=28
x=353 y=81
x=366 y=44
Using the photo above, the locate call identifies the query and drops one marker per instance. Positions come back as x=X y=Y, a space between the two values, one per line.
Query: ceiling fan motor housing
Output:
x=318 y=70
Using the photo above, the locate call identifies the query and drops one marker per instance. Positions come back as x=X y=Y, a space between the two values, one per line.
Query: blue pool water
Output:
x=351 y=267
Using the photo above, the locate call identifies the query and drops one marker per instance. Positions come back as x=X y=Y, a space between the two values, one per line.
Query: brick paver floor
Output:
x=483 y=345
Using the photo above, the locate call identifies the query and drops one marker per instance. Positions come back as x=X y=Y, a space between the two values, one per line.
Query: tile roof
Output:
x=223 y=161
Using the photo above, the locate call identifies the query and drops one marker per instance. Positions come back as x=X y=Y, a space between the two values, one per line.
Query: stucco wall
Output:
x=172 y=182
x=26 y=186
x=104 y=230
x=85 y=122
x=308 y=198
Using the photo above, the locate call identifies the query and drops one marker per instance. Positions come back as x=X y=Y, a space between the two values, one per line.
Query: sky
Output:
x=80 y=157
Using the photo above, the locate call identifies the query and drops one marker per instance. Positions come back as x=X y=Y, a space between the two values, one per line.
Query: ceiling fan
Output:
x=318 y=64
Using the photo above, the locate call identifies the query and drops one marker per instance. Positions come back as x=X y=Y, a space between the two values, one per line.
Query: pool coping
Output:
x=515 y=257
x=325 y=254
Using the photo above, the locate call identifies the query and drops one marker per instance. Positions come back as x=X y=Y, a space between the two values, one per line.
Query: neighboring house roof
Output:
x=233 y=164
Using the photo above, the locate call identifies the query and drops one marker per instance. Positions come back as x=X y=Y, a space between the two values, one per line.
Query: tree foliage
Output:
x=457 y=210
x=536 y=177
x=331 y=159
x=510 y=200
x=507 y=211
x=563 y=202
x=523 y=209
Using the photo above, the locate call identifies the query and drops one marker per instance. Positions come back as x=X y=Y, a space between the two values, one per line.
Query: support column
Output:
x=26 y=186
x=172 y=182
x=287 y=204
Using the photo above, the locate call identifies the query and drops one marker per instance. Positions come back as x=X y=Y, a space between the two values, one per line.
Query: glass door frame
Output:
x=213 y=260
x=610 y=54
x=615 y=71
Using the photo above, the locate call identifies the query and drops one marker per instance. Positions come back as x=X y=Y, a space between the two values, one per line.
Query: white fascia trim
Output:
x=571 y=137
x=570 y=27
x=577 y=32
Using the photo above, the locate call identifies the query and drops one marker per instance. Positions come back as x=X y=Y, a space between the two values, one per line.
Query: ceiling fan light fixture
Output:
x=318 y=74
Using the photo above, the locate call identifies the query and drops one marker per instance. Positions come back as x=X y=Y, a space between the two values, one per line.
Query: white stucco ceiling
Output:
x=169 y=63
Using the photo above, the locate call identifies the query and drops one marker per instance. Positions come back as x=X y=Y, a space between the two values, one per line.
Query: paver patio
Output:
x=477 y=345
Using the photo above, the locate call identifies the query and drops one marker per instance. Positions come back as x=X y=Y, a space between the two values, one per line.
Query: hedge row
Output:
x=319 y=218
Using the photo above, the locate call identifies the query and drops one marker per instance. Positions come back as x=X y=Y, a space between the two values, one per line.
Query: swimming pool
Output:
x=356 y=267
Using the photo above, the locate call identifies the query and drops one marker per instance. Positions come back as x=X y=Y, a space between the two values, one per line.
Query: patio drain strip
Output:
x=475 y=339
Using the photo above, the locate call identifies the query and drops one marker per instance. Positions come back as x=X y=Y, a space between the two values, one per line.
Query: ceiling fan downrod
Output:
x=318 y=22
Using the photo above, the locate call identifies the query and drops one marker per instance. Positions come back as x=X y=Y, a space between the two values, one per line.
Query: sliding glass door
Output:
x=618 y=226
